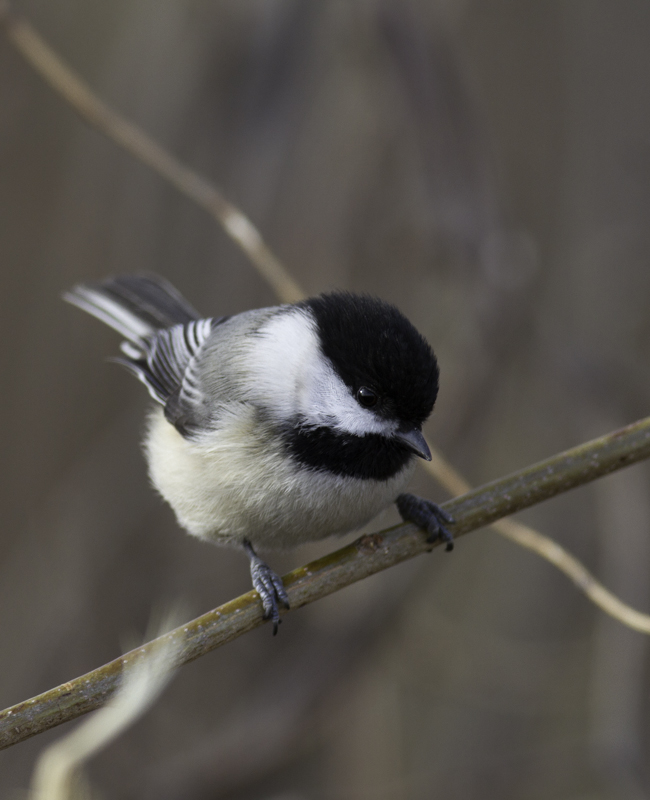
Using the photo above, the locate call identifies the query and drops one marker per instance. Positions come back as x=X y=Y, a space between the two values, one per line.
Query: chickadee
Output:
x=276 y=426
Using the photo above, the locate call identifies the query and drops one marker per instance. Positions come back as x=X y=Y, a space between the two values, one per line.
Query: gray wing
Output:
x=166 y=362
x=165 y=339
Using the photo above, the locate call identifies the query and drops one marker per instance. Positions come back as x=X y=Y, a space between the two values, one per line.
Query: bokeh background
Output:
x=486 y=167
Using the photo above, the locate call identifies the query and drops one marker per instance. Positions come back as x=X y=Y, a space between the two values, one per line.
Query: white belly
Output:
x=236 y=484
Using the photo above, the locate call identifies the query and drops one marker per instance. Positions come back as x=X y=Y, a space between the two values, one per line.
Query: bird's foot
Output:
x=428 y=516
x=268 y=585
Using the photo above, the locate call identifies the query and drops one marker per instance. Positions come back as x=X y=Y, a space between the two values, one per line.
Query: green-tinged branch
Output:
x=364 y=557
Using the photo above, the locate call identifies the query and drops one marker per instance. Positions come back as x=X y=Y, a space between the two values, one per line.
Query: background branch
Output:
x=135 y=141
x=380 y=146
x=548 y=549
x=366 y=556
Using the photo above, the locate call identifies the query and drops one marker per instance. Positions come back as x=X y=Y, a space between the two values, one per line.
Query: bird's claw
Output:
x=270 y=588
x=428 y=516
x=268 y=584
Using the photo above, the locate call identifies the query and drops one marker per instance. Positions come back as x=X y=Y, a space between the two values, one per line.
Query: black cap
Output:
x=371 y=344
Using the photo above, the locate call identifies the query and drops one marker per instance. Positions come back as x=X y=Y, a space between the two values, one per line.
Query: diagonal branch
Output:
x=135 y=141
x=366 y=556
x=326 y=575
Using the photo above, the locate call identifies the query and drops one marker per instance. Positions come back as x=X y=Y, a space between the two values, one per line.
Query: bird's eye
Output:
x=367 y=397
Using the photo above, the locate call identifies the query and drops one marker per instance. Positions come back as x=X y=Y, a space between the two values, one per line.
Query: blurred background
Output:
x=486 y=167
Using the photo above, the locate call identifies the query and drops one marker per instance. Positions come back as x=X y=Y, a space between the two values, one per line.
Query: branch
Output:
x=124 y=133
x=58 y=768
x=366 y=556
x=547 y=549
x=135 y=141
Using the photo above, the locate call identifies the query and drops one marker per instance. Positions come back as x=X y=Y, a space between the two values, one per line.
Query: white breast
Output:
x=237 y=483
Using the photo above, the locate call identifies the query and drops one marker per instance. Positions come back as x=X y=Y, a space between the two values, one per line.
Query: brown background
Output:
x=485 y=166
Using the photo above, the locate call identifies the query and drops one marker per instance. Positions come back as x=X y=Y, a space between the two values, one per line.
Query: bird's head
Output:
x=351 y=381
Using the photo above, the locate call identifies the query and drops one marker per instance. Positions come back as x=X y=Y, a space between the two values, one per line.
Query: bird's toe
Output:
x=428 y=516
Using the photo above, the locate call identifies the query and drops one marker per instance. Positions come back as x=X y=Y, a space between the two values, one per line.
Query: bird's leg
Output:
x=268 y=585
x=428 y=516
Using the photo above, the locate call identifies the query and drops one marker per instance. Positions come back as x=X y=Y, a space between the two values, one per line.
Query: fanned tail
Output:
x=164 y=338
x=134 y=305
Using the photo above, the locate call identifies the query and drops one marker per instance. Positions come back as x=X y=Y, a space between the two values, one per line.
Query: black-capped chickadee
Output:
x=280 y=425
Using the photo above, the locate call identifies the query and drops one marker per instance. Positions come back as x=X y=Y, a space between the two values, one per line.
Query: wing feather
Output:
x=166 y=363
x=164 y=339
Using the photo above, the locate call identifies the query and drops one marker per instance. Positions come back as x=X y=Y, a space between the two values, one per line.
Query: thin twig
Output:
x=545 y=547
x=135 y=141
x=548 y=549
x=51 y=68
x=124 y=133
x=58 y=768
x=368 y=555
x=46 y=62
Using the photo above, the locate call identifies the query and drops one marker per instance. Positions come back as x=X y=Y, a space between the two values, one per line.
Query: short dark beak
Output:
x=415 y=441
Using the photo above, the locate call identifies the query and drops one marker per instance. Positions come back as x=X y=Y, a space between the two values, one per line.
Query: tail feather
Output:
x=134 y=305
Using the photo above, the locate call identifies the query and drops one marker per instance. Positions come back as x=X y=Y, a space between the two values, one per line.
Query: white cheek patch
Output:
x=325 y=400
x=276 y=360
x=291 y=377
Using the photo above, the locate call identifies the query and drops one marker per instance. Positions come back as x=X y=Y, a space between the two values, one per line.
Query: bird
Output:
x=276 y=426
